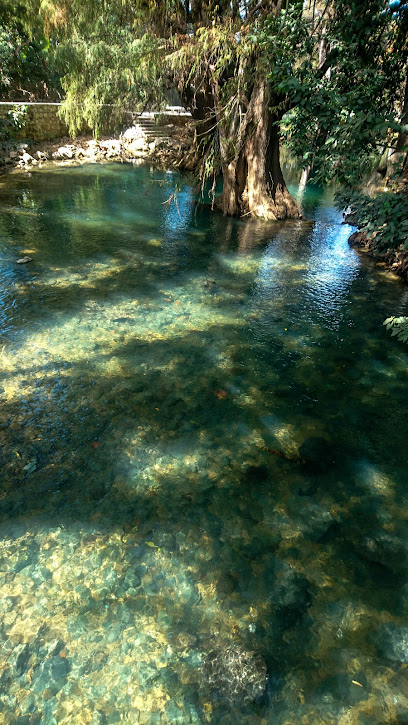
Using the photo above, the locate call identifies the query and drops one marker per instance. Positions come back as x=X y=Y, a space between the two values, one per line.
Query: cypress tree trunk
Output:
x=252 y=175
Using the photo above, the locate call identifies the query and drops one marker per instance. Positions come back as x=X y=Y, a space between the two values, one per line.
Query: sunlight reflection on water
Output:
x=203 y=504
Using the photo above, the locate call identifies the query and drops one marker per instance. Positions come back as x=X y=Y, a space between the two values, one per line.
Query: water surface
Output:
x=203 y=508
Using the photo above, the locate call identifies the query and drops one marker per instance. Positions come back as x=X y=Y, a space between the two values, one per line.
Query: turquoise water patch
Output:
x=203 y=510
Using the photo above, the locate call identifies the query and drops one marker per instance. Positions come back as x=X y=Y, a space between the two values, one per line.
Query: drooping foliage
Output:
x=27 y=68
x=109 y=59
x=108 y=80
x=335 y=71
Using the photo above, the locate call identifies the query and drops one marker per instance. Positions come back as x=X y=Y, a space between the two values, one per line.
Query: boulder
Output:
x=137 y=147
x=387 y=549
x=52 y=673
x=111 y=146
x=392 y=643
x=64 y=152
x=26 y=159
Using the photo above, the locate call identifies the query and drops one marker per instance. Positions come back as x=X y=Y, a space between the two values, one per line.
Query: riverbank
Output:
x=168 y=146
x=394 y=260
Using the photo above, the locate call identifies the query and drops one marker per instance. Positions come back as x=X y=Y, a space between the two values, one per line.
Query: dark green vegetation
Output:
x=12 y=123
x=27 y=60
x=203 y=508
x=345 y=116
x=383 y=217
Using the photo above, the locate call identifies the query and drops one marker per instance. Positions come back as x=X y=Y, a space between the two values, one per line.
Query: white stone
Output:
x=26 y=159
x=138 y=145
x=64 y=152
x=111 y=145
x=132 y=133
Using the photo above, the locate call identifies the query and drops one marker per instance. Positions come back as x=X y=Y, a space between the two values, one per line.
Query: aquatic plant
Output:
x=240 y=673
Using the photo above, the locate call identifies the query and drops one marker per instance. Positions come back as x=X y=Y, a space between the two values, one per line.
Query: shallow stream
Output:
x=203 y=456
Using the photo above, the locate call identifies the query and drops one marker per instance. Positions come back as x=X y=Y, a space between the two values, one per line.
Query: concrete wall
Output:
x=43 y=123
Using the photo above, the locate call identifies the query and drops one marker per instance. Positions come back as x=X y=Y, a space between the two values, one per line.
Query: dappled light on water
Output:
x=203 y=503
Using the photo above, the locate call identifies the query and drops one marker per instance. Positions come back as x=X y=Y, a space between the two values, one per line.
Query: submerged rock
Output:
x=313 y=520
x=392 y=643
x=343 y=687
x=386 y=549
x=30 y=466
x=174 y=714
x=317 y=454
x=19 y=659
x=53 y=673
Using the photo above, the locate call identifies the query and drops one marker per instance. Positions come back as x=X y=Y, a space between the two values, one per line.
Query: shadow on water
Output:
x=203 y=499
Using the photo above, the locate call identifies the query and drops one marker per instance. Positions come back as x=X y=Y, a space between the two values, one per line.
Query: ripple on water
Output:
x=203 y=508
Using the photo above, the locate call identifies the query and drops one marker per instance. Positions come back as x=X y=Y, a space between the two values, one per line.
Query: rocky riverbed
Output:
x=203 y=508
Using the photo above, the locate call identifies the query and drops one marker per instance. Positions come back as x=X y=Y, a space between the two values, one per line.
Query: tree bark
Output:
x=400 y=154
x=253 y=182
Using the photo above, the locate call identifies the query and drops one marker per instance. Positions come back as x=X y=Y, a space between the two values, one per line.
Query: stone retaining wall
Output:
x=163 y=138
x=42 y=124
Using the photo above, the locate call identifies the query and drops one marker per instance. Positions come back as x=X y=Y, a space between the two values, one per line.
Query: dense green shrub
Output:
x=384 y=217
x=27 y=67
x=13 y=122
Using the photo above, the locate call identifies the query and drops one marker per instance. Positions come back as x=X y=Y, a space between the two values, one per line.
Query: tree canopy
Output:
x=341 y=118
x=328 y=75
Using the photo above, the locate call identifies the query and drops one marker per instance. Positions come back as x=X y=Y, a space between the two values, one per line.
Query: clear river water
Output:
x=203 y=461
